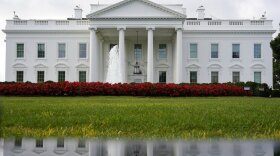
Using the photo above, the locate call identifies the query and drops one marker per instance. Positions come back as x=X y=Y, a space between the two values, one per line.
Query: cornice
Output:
x=229 y=31
x=46 y=31
x=135 y=18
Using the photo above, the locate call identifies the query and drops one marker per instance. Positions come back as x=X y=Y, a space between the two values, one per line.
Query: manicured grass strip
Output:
x=141 y=117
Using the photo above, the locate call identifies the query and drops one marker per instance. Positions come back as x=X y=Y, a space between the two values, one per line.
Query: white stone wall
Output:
x=164 y=23
x=51 y=64
x=143 y=148
x=203 y=64
x=225 y=64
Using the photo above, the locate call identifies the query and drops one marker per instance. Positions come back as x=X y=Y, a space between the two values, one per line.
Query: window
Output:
x=81 y=143
x=61 y=76
x=235 y=77
x=82 y=76
x=83 y=50
x=19 y=76
x=39 y=143
x=60 y=143
x=214 y=51
x=20 y=50
x=235 y=50
x=214 y=77
x=193 y=50
x=40 y=76
x=61 y=50
x=193 y=77
x=41 y=50
x=138 y=52
x=162 y=77
x=258 y=77
x=18 y=142
x=257 y=50
x=162 y=51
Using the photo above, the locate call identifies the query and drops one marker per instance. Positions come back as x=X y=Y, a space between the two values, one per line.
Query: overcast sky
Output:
x=62 y=9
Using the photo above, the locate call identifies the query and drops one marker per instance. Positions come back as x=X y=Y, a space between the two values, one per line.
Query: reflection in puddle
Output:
x=82 y=147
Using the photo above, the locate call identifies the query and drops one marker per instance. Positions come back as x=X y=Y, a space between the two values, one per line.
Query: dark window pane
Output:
x=61 y=76
x=19 y=76
x=214 y=77
x=235 y=50
x=193 y=77
x=162 y=77
x=82 y=76
x=235 y=77
x=20 y=50
x=39 y=143
x=40 y=76
x=41 y=50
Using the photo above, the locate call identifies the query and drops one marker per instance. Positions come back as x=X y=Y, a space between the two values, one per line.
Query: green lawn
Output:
x=141 y=117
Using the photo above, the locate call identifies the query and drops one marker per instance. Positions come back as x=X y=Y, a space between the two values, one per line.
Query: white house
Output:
x=159 y=40
x=80 y=147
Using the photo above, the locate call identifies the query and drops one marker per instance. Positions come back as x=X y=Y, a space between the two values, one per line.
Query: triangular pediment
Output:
x=136 y=9
x=193 y=66
x=40 y=66
x=82 y=66
x=236 y=66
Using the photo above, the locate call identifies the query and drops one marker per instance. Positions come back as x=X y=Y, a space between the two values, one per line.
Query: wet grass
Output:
x=141 y=117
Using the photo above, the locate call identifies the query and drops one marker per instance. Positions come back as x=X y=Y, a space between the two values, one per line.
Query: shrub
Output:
x=275 y=93
x=144 y=89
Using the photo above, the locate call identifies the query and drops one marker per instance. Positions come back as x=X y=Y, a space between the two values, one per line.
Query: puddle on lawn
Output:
x=82 y=147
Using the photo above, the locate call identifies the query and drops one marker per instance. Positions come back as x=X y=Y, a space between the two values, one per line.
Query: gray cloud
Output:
x=61 y=9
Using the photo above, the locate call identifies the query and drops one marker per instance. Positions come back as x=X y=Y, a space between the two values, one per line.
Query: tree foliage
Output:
x=275 y=45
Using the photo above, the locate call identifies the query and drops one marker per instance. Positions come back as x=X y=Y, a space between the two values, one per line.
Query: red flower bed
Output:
x=106 y=89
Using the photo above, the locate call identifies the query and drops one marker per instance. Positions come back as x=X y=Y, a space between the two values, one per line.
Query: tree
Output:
x=275 y=45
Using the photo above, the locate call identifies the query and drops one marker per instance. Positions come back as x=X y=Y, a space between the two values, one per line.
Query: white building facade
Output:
x=81 y=147
x=157 y=43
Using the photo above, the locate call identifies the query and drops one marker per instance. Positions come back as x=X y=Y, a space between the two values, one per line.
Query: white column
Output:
x=1 y=147
x=122 y=54
x=101 y=61
x=94 y=56
x=179 y=56
x=92 y=148
x=150 y=59
x=150 y=149
x=178 y=149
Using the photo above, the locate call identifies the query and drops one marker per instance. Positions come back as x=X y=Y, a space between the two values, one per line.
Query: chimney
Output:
x=78 y=13
x=200 y=12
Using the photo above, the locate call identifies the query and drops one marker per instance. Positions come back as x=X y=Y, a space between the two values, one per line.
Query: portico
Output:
x=164 y=28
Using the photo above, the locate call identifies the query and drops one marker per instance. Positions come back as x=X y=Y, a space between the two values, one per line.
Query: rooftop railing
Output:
x=229 y=22
x=47 y=22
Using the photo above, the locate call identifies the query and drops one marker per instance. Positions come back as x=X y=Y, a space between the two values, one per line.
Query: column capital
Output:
x=150 y=28
x=92 y=28
x=179 y=28
x=121 y=28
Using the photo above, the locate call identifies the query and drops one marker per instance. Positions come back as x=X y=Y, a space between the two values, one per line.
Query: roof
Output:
x=162 y=8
